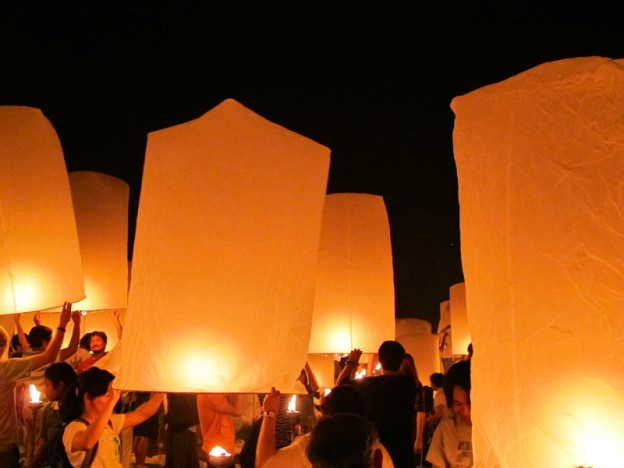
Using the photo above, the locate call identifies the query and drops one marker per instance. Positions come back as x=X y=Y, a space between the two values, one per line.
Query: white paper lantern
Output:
x=410 y=326
x=101 y=208
x=424 y=349
x=460 y=328
x=354 y=303
x=540 y=162
x=225 y=255
x=39 y=258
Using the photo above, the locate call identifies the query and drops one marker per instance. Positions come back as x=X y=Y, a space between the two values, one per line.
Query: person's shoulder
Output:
x=291 y=455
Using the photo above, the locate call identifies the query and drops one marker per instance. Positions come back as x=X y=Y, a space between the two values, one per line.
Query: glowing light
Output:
x=327 y=391
x=292 y=404
x=217 y=451
x=34 y=394
x=360 y=374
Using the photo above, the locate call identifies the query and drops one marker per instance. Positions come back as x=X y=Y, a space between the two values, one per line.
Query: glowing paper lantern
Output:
x=445 y=339
x=354 y=304
x=459 y=319
x=540 y=160
x=424 y=349
x=101 y=208
x=323 y=366
x=225 y=254
x=39 y=258
x=409 y=326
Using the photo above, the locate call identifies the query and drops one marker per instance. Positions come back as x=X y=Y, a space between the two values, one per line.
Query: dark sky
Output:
x=372 y=80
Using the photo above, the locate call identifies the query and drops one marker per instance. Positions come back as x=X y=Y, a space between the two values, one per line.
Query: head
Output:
x=85 y=342
x=91 y=394
x=345 y=399
x=16 y=346
x=391 y=354
x=437 y=380
x=457 y=390
x=58 y=378
x=408 y=367
x=40 y=337
x=97 y=342
x=344 y=441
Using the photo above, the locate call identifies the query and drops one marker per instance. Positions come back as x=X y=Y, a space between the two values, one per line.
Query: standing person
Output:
x=408 y=367
x=97 y=347
x=452 y=441
x=10 y=371
x=181 y=449
x=88 y=410
x=391 y=398
x=216 y=412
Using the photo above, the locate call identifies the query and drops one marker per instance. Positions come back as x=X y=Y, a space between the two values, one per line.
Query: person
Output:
x=97 y=347
x=216 y=412
x=344 y=441
x=342 y=399
x=391 y=397
x=10 y=371
x=88 y=411
x=40 y=336
x=408 y=367
x=451 y=445
x=58 y=379
x=439 y=400
x=182 y=418
x=144 y=432
x=82 y=352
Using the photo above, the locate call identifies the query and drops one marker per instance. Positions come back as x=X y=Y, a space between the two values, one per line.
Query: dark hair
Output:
x=15 y=341
x=38 y=334
x=101 y=334
x=342 y=441
x=408 y=367
x=92 y=382
x=85 y=341
x=345 y=399
x=458 y=374
x=391 y=355
x=437 y=379
x=61 y=372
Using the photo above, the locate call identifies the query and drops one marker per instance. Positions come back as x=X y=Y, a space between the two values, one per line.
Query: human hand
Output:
x=354 y=356
x=65 y=314
x=37 y=318
x=16 y=319
x=271 y=401
x=75 y=316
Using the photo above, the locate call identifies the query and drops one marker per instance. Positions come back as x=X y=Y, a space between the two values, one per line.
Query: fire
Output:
x=292 y=405
x=34 y=394
x=217 y=451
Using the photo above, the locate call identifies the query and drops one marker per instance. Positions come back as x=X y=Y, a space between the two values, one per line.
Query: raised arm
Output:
x=20 y=333
x=48 y=356
x=144 y=411
x=118 y=325
x=72 y=347
x=350 y=366
x=265 y=447
x=85 y=440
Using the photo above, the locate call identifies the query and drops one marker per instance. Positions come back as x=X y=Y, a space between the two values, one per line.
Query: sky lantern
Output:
x=416 y=337
x=225 y=254
x=540 y=162
x=354 y=303
x=460 y=328
x=101 y=208
x=39 y=259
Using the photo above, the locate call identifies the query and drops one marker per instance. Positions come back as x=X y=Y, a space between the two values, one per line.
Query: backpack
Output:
x=53 y=454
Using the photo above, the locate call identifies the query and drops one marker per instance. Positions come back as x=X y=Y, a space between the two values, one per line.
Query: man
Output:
x=391 y=398
x=344 y=440
x=10 y=371
x=452 y=441
x=97 y=347
x=342 y=399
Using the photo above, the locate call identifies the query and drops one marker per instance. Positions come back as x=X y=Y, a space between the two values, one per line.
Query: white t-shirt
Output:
x=451 y=445
x=109 y=448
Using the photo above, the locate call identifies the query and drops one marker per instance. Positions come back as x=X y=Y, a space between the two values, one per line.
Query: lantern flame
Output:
x=34 y=394
x=292 y=405
x=360 y=374
x=218 y=451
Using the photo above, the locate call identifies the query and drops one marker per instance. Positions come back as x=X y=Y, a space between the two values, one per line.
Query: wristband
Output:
x=270 y=414
x=60 y=329
x=353 y=362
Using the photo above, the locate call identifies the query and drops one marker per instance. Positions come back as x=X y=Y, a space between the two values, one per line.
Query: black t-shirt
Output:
x=391 y=400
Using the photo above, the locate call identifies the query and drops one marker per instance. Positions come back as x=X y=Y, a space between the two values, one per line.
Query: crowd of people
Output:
x=386 y=420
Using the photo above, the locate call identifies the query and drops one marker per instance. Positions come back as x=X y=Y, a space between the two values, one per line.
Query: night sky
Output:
x=372 y=80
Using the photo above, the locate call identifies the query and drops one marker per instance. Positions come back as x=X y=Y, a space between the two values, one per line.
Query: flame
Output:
x=327 y=391
x=34 y=394
x=378 y=366
x=217 y=451
x=292 y=405
x=360 y=374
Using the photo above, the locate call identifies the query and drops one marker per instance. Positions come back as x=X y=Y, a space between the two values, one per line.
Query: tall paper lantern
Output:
x=101 y=208
x=354 y=304
x=540 y=161
x=224 y=258
x=409 y=326
x=459 y=319
x=39 y=254
x=424 y=349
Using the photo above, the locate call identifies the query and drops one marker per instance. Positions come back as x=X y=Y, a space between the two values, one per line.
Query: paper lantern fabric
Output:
x=540 y=162
x=39 y=258
x=354 y=302
x=409 y=326
x=101 y=209
x=323 y=366
x=460 y=327
x=424 y=349
x=224 y=258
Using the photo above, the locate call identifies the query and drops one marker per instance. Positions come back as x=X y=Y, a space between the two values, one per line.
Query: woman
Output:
x=89 y=411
